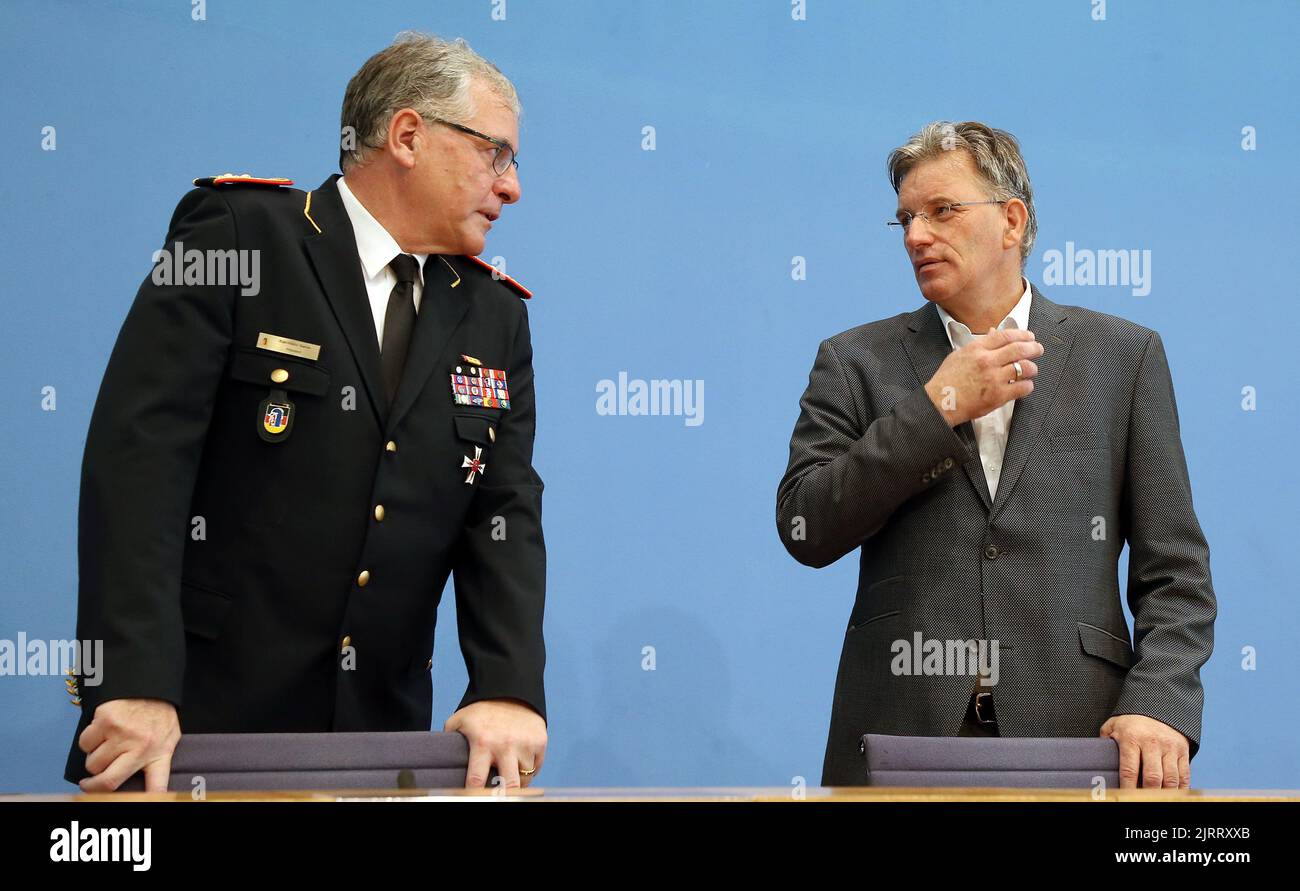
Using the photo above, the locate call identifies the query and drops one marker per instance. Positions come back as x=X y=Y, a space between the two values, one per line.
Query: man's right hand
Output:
x=980 y=377
x=126 y=735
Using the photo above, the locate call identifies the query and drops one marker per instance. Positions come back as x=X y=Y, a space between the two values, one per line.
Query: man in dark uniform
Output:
x=319 y=407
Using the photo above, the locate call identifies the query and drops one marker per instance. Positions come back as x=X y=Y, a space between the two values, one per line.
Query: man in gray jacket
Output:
x=989 y=454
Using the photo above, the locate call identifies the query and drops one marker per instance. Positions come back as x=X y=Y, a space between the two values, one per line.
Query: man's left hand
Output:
x=1151 y=750
x=504 y=732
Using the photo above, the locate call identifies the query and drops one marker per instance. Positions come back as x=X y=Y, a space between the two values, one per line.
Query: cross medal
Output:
x=474 y=464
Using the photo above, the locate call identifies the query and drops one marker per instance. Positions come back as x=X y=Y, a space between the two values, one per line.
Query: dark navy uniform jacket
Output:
x=291 y=583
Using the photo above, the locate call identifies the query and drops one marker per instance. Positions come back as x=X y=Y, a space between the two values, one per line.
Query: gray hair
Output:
x=996 y=154
x=419 y=71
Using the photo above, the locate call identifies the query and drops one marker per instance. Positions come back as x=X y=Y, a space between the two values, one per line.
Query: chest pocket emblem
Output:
x=276 y=414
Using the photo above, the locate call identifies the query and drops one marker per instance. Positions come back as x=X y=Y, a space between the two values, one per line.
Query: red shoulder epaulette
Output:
x=225 y=179
x=501 y=276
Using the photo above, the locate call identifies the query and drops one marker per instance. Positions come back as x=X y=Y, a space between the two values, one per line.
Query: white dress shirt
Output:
x=991 y=429
x=377 y=249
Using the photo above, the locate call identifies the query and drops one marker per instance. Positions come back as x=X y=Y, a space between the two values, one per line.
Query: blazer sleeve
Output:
x=1169 y=587
x=844 y=479
x=500 y=569
x=142 y=453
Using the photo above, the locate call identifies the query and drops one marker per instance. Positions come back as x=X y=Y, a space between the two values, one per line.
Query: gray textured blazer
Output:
x=1093 y=460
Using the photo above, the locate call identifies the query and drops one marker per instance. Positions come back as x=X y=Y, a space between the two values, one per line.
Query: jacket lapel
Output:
x=927 y=346
x=1051 y=326
x=332 y=249
x=445 y=300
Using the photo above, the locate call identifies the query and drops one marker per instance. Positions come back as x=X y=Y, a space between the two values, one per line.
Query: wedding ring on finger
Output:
x=1019 y=371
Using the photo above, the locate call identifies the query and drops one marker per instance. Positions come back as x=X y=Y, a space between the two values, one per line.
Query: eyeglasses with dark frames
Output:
x=501 y=159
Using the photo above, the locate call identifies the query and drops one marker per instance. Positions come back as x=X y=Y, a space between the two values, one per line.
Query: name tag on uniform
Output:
x=287 y=345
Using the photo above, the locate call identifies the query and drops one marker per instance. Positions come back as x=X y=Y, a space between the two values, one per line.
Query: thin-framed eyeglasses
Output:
x=943 y=213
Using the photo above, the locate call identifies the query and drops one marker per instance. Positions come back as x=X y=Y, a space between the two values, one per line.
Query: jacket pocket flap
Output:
x=1105 y=645
x=877 y=617
x=883 y=599
x=204 y=610
x=476 y=428
x=258 y=367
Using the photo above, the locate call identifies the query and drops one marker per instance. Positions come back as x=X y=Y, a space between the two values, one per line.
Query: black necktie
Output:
x=399 y=322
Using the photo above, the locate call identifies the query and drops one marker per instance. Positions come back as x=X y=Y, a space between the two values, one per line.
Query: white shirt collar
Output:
x=375 y=246
x=959 y=335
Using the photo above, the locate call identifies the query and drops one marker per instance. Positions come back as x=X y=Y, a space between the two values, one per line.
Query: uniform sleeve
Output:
x=1169 y=587
x=142 y=454
x=500 y=571
x=844 y=482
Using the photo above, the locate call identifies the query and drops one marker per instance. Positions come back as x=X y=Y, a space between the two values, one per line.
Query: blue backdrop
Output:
x=1167 y=127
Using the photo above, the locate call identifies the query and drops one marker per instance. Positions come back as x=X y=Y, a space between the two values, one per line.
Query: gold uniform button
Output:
x=391 y=447
x=428 y=665
x=379 y=512
x=364 y=578
x=347 y=641
x=279 y=375
x=492 y=434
